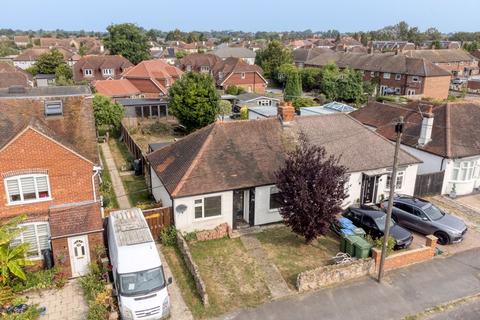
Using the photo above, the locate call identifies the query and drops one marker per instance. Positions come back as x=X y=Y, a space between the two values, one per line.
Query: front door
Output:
x=251 y=207
x=238 y=207
x=369 y=189
x=79 y=255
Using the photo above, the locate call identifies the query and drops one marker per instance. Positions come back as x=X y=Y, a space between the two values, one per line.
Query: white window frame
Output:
x=264 y=102
x=88 y=72
x=398 y=76
x=242 y=75
x=21 y=238
x=205 y=69
x=387 y=75
x=108 y=72
x=49 y=103
x=188 y=68
x=200 y=203
x=415 y=79
x=399 y=180
x=273 y=190
x=464 y=171
x=372 y=74
x=22 y=201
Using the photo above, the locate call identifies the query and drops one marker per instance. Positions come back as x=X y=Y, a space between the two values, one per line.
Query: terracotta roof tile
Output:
x=116 y=88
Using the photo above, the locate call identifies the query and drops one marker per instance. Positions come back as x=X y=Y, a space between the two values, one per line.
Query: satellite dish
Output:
x=181 y=208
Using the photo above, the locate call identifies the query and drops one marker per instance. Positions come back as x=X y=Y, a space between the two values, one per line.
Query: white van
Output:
x=137 y=270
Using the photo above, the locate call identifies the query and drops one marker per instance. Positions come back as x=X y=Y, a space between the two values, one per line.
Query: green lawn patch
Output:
x=292 y=255
x=106 y=189
x=136 y=188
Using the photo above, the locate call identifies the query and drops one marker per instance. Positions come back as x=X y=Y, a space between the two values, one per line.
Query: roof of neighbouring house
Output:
x=75 y=219
x=240 y=154
x=236 y=52
x=116 y=88
x=328 y=108
x=248 y=96
x=304 y=54
x=455 y=126
x=197 y=60
x=13 y=76
x=153 y=69
x=75 y=129
x=98 y=62
x=234 y=65
x=32 y=54
x=441 y=56
x=265 y=111
x=50 y=91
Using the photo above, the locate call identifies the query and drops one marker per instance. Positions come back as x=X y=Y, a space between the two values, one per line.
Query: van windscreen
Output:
x=142 y=282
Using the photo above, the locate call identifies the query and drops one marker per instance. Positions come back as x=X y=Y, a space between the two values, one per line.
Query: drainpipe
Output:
x=96 y=171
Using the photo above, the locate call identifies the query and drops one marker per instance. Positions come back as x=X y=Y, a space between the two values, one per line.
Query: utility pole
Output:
x=386 y=233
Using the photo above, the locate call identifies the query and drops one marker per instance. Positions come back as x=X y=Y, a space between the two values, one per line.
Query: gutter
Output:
x=96 y=171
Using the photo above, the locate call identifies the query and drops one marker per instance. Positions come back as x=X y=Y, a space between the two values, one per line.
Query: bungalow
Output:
x=49 y=168
x=21 y=41
x=244 y=54
x=444 y=137
x=28 y=57
x=225 y=172
x=94 y=67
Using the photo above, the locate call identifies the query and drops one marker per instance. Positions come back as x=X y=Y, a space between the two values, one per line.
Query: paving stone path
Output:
x=117 y=184
x=65 y=303
x=468 y=211
x=275 y=282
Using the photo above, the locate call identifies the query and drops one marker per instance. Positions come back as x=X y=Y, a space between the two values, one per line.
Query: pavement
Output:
x=117 y=183
x=465 y=311
x=179 y=309
x=403 y=292
x=65 y=303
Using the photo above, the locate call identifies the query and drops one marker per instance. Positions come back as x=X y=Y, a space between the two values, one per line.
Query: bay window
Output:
x=208 y=207
x=463 y=170
x=37 y=235
x=27 y=188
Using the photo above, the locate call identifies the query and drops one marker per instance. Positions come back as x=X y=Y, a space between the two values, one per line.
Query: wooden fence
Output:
x=132 y=146
x=429 y=184
x=158 y=219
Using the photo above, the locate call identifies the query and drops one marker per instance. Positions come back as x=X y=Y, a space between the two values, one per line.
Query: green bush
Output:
x=31 y=313
x=92 y=284
x=234 y=90
x=244 y=113
x=168 y=236
x=42 y=279
x=97 y=311
x=378 y=243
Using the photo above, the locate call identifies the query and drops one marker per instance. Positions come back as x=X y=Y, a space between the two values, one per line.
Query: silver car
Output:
x=425 y=218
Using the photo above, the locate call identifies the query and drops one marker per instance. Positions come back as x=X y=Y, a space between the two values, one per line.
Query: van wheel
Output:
x=443 y=238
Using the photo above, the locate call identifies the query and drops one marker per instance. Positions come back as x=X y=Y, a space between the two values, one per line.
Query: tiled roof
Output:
x=227 y=52
x=75 y=219
x=233 y=65
x=442 y=55
x=455 y=126
x=240 y=154
x=197 y=60
x=32 y=54
x=99 y=62
x=154 y=69
x=116 y=88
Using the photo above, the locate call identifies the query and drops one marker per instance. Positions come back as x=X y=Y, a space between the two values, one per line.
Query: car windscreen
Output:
x=433 y=212
x=142 y=282
x=380 y=221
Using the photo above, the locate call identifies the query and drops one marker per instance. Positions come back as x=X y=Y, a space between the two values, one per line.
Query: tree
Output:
x=310 y=78
x=129 y=41
x=293 y=87
x=194 y=100
x=272 y=57
x=48 y=62
x=350 y=85
x=303 y=102
x=244 y=113
x=181 y=54
x=224 y=108
x=284 y=71
x=311 y=189
x=63 y=75
x=106 y=112
x=234 y=90
x=328 y=84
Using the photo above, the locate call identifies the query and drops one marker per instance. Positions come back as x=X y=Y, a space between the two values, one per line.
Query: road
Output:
x=467 y=311
x=406 y=291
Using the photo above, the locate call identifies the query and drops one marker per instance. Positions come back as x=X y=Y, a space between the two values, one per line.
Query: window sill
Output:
x=208 y=218
x=273 y=210
x=17 y=203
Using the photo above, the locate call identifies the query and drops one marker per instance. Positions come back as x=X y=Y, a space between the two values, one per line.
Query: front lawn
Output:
x=231 y=276
x=292 y=255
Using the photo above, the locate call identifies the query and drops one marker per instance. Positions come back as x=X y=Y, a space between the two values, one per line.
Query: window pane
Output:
x=13 y=190
x=198 y=212
x=213 y=206
x=42 y=187
x=28 y=188
x=455 y=174
x=29 y=236
x=275 y=200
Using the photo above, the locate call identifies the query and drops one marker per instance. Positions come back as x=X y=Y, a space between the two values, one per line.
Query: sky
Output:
x=246 y=15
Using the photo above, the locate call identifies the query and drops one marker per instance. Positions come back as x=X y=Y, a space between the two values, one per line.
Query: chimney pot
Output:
x=286 y=111
x=427 y=126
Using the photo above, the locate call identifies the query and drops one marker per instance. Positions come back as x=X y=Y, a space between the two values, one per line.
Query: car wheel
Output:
x=442 y=237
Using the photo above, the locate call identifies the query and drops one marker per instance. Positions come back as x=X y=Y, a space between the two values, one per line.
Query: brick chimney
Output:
x=286 y=112
x=427 y=126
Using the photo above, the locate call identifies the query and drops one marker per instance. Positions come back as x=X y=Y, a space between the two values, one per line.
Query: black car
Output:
x=373 y=222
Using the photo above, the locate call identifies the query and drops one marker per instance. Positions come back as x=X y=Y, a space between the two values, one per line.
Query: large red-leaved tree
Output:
x=311 y=188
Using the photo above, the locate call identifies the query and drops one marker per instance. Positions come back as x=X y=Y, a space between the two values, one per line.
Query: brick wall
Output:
x=70 y=176
x=252 y=82
x=408 y=257
x=220 y=231
x=436 y=87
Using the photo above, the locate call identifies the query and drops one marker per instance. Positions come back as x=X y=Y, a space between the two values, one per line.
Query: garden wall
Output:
x=332 y=274
x=193 y=268
x=408 y=257
x=221 y=231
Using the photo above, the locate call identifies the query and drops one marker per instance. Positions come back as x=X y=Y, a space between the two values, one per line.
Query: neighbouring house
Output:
x=301 y=55
x=236 y=72
x=393 y=73
x=139 y=109
x=331 y=107
x=349 y=44
x=199 y=62
x=28 y=57
x=21 y=41
x=152 y=77
x=390 y=45
x=168 y=55
x=121 y=88
x=444 y=137
x=444 y=44
x=207 y=185
x=49 y=166
x=323 y=43
x=44 y=80
x=251 y=99
x=95 y=67
x=12 y=76
x=458 y=62
x=245 y=54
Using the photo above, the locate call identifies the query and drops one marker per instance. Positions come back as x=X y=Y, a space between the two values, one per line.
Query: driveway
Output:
x=404 y=292
x=472 y=201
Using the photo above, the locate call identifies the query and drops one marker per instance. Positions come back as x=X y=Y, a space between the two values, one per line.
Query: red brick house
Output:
x=152 y=78
x=49 y=171
x=228 y=72
x=102 y=67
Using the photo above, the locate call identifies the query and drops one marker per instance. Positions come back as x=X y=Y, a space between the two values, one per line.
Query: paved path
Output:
x=404 y=292
x=117 y=184
x=275 y=282
x=464 y=311
x=65 y=303
x=179 y=309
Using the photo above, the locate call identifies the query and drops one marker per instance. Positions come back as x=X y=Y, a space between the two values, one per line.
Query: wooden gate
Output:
x=429 y=184
x=158 y=219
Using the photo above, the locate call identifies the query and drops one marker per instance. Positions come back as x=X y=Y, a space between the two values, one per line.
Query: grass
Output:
x=122 y=157
x=292 y=255
x=106 y=189
x=231 y=276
